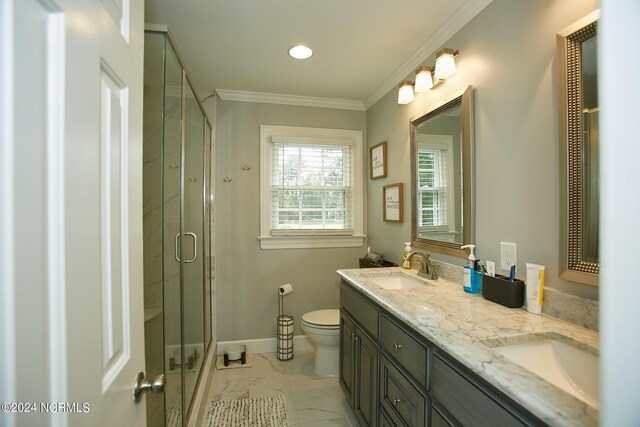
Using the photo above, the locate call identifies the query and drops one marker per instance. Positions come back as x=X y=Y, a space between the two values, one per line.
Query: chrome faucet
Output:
x=426 y=268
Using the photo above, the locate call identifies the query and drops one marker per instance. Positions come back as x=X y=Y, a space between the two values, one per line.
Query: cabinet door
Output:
x=347 y=355
x=366 y=407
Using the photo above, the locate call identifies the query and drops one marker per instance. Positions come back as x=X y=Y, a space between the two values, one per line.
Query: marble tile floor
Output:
x=311 y=401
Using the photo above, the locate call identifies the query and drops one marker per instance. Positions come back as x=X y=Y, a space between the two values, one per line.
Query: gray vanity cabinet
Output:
x=359 y=357
x=393 y=376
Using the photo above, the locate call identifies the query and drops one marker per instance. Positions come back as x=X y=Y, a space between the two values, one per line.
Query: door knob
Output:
x=397 y=346
x=143 y=385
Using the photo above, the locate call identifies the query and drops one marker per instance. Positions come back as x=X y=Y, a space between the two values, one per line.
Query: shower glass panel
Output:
x=152 y=213
x=192 y=241
x=172 y=230
x=177 y=204
x=207 y=208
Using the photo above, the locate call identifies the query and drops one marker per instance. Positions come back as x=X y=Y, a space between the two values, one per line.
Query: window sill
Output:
x=308 y=242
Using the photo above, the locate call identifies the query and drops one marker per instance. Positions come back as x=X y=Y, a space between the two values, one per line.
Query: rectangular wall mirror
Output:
x=578 y=110
x=442 y=182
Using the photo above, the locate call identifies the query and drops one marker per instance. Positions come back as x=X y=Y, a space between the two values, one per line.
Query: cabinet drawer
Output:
x=466 y=402
x=359 y=309
x=408 y=352
x=399 y=398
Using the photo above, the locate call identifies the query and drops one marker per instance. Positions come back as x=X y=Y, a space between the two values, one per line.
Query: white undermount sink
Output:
x=397 y=281
x=557 y=360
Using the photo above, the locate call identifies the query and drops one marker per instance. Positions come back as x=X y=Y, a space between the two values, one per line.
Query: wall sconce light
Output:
x=424 y=80
x=405 y=93
x=445 y=63
x=427 y=78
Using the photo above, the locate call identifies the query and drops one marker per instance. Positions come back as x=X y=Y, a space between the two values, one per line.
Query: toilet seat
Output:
x=322 y=319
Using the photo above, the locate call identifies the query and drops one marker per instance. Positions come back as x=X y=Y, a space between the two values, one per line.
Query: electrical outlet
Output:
x=507 y=255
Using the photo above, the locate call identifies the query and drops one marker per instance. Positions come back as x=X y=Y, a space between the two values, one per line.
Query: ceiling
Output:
x=362 y=48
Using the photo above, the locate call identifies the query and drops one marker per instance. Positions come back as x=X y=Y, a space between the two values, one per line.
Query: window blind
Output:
x=433 y=197
x=311 y=188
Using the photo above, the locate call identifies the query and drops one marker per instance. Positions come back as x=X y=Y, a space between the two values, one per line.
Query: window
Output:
x=311 y=187
x=435 y=183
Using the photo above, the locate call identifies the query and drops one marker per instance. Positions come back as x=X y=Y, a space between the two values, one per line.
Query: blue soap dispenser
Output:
x=469 y=273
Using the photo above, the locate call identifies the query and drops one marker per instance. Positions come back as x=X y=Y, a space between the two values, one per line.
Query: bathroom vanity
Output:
x=416 y=352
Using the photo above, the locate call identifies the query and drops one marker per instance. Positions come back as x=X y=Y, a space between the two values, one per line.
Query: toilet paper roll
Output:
x=285 y=289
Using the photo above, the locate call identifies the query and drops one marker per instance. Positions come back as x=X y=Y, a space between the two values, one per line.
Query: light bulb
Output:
x=424 y=82
x=405 y=93
x=445 y=63
x=300 y=52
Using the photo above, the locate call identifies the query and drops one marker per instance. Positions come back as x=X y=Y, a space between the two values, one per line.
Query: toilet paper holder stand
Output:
x=284 y=331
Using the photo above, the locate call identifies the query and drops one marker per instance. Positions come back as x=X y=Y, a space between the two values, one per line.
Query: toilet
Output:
x=322 y=327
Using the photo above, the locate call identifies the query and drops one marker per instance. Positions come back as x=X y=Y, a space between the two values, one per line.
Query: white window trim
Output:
x=268 y=241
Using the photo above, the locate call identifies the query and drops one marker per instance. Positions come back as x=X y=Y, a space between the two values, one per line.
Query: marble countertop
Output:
x=461 y=324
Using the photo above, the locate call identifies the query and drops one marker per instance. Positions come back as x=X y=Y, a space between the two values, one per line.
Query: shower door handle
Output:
x=178 y=254
x=195 y=247
x=143 y=385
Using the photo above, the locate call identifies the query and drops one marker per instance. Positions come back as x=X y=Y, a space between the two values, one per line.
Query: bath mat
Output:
x=248 y=412
x=234 y=363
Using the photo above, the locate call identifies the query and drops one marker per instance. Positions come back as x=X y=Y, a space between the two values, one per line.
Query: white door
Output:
x=71 y=301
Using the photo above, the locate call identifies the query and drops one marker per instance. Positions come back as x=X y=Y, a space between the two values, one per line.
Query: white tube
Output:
x=285 y=289
x=535 y=288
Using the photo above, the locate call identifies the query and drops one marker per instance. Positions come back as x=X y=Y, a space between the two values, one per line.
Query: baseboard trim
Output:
x=266 y=345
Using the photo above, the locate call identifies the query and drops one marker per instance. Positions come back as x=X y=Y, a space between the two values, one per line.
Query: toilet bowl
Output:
x=322 y=327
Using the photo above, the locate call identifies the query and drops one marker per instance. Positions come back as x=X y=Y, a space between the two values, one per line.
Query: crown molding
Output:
x=278 y=98
x=454 y=24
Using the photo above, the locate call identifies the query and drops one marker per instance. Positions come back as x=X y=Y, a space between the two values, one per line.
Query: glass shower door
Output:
x=177 y=244
x=191 y=242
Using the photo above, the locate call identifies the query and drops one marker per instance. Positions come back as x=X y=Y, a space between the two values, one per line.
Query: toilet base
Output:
x=327 y=362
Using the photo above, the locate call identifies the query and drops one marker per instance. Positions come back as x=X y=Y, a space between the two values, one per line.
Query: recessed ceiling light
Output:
x=300 y=52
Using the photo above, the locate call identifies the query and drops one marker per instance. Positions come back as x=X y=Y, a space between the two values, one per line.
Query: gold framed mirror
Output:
x=442 y=176
x=578 y=114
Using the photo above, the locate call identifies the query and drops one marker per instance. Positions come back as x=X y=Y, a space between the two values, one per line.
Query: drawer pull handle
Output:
x=395 y=401
x=397 y=346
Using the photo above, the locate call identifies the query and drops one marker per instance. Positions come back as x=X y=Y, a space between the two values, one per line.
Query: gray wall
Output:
x=507 y=53
x=247 y=276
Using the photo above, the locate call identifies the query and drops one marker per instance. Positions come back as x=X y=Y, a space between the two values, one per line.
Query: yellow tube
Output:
x=540 y=298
